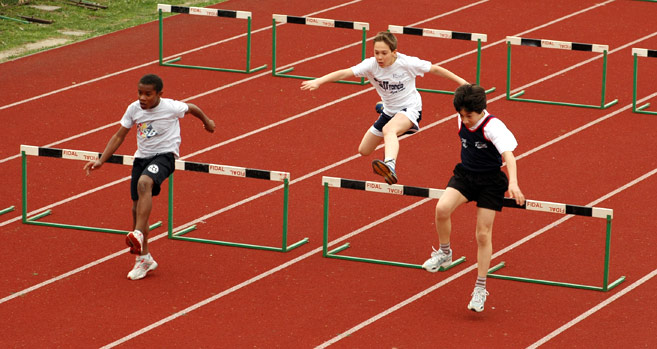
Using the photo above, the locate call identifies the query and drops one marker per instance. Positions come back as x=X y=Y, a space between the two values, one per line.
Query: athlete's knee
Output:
x=144 y=185
x=442 y=212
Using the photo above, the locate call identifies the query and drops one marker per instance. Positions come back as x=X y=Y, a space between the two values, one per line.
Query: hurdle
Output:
x=71 y=155
x=319 y=22
x=563 y=45
x=211 y=12
x=179 y=165
x=236 y=172
x=530 y=205
x=378 y=187
x=640 y=52
x=445 y=34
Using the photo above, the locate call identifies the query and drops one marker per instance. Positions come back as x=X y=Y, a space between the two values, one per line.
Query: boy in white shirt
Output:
x=158 y=142
x=393 y=75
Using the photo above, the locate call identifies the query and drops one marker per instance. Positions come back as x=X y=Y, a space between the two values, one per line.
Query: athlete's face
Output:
x=148 y=97
x=470 y=118
x=384 y=56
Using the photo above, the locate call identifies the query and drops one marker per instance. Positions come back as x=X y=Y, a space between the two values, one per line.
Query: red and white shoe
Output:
x=135 y=240
x=143 y=264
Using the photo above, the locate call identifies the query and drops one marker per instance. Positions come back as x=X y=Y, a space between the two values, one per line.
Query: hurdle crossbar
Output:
x=375 y=187
x=563 y=45
x=640 y=52
x=211 y=12
x=445 y=34
x=530 y=205
x=179 y=165
x=318 y=22
x=72 y=155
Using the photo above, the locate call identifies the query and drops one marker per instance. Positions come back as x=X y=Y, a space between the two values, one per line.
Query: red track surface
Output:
x=234 y=297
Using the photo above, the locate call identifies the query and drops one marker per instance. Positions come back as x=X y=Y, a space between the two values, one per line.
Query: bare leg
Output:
x=369 y=143
x=143 y=208
x=396 y=127
x=485 y=219
x=446 y=205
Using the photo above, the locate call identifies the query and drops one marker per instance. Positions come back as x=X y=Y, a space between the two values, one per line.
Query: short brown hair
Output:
x=388 y=38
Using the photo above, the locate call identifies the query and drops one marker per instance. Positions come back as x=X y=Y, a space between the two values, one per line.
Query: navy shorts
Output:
x=384 y=118
x=486 y=188
x=158 y=167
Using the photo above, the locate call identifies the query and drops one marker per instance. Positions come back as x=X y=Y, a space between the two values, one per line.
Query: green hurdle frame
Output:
x=284 y=246
x=606 y=286
x=170 y=63
x=34 y=220
x=644 y=53
x=334 y=252
x=514 y=97
x=444 y=34
x=283 y=73
x=7 y=210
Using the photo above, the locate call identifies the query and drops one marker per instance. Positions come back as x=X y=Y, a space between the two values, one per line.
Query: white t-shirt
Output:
x=495 y=131
x=395 y=83
x=158 y=129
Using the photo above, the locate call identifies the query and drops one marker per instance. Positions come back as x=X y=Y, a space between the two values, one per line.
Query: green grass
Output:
x=120 y=14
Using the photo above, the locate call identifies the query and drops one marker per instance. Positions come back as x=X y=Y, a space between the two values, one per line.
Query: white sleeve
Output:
x=418 y=66
x=361 y=69
x=127 y=119
x=497 y=132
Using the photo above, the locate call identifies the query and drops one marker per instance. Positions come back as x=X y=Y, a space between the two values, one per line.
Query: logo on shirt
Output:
x=481 y=145
x=145 y=130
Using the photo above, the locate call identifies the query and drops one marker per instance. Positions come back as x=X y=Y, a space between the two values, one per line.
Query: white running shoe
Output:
x=478 y=299
x=135 y=239
x=438 y=259
x=143 y=264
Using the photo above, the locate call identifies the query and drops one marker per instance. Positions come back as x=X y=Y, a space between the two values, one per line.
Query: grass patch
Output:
x=71 y=23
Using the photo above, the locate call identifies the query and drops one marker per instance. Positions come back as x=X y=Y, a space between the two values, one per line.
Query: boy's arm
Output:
x=208 y=123
x=442 y=72
x=514 y=190
x=113 y=144
x=330 y=77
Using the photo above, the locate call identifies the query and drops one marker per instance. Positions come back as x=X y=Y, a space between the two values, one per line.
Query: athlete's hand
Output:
x=310 y=85
x=515 y=193
x=92 y=165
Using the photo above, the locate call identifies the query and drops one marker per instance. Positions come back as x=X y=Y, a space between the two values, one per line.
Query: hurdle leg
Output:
x=7 y=210
x=635 y=109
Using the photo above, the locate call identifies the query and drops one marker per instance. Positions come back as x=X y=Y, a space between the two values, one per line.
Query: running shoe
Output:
x=383 y=169
x=379 y=107
x=478 y=299
x=143 y=264
x=135 y=239
x=438 y=259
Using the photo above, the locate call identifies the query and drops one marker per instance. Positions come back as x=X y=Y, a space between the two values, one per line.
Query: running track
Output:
x=67 y=288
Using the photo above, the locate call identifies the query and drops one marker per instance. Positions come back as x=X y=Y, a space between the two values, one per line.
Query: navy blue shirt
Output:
x=478 y=154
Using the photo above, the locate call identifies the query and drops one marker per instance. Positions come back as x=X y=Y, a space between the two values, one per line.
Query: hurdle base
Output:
x=7 y=210
x=514 y=97
x=178 y=236
x=34 y=221
x=282 y=74
x=169 y=63
x=448 y=92
x=640 y=110
x=333 y=254
x=603 y=288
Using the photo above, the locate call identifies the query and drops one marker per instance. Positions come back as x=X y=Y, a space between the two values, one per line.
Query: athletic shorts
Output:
x=486 y=188
x=412 y=114
x=158 y=167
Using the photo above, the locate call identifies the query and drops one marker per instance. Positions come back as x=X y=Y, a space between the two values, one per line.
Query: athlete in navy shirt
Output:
x=485 y=142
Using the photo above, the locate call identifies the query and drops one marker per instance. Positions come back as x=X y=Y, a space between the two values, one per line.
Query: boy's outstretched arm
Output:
x=514 y=189
x=442 y=72
x=113 y=144
x=330 y=77
x=208 y=123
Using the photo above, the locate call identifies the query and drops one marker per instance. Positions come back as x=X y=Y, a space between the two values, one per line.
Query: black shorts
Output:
x=486 y=188
x=385 y=118
x=158 y=167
